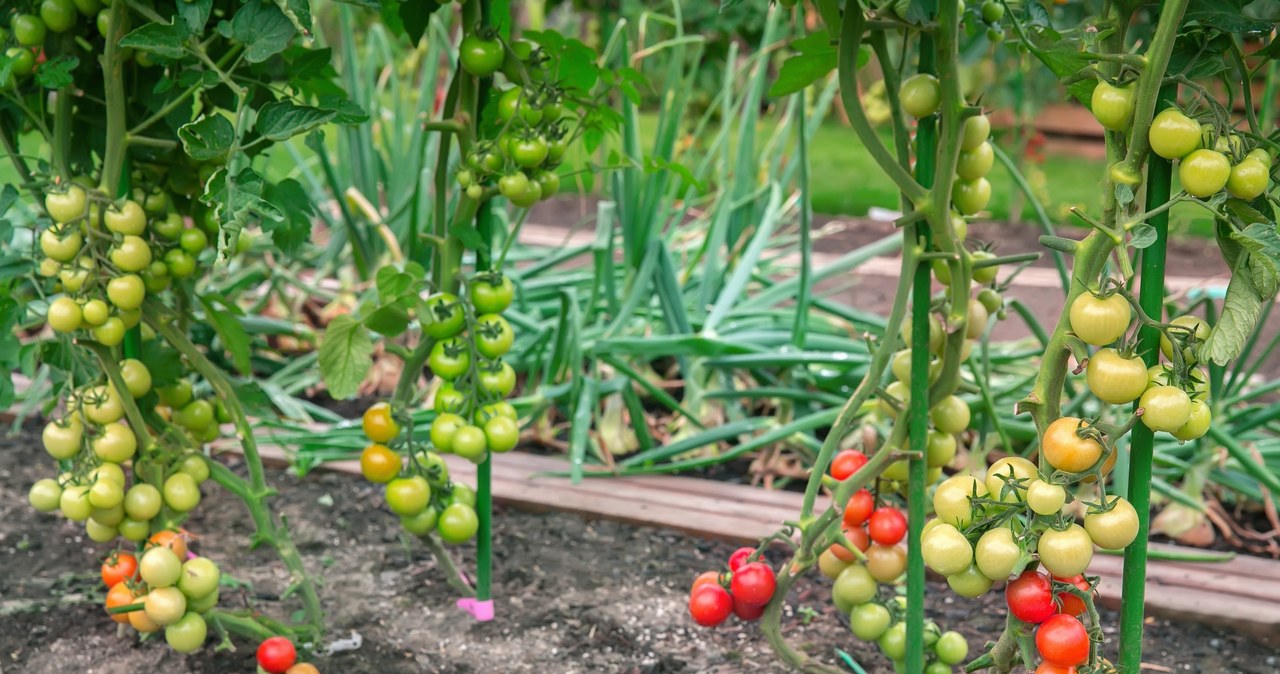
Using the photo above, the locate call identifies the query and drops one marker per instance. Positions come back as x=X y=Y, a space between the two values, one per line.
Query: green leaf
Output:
x=240 y=202
x=1262 y=242
x=234 y=338
x=1143 y=236
x=283 y=120
x=56 y=72
x=69 y=360
x=655 y=163
x=1240 y=310
x=347 y=111
x=1064 y=57
x=195 y=13
x=415 y=16
x=815 y=59
x=207 y=138
x=345 y=356
x=263 y=29
x=161 y=39
x=392 y=283
x=1227 y=16
x=468 y=235
x=726 y=5
x=389 y=320
x=290 y=232
x=164 y=363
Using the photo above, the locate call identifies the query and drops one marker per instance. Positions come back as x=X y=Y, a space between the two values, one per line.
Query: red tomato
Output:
x=747 y=612
x=705 y=578
x=119 y=567
x=846 y=463
x=858 y=537
x=859 y=508
x=276 y=655
x=1050 y=668
x=739 y=557
x=1071 y=604
x=887 y=526
x=753 y=583
x=1063 y=641
x=1030 y=597
x=710 y=605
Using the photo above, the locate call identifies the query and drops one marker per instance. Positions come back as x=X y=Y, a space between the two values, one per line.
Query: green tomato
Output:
x=99 y=532
x=1065 y=552
x=196 y=466
x=67 y=204
x=1113 y=106
x=977 y=130
x=170 y=227
x=408 y=496
x=165 y=605
x=74 y=503
x=132 y=254
x=176 y=396
x=1165 y=408
x=491 y=295
x=469 y=443
x=493 y=336
x=516 y=101
x=1045 y=498
x=186 y=635
x=1248 y=179
x=950 y=415
x=181 y=492
x=971 y=196
x=142 y=502
x=443 y=429
x=199 y=577
x=105 y=494
x=193 y=241
x=450 y=358
x=951 y=499
x=45 y=495
x=111 y=332
x=951 y=648
x=502 y=434
x=28 y=29
x=996 y=553
x=969 y=583
x=976 y=163
x=946 y=550
x=134 y=530
x=116 y=443
x=499 y=380
x=421 y=524
x=869 y=621
x=893 y=643
x=461 y=493
x=1114 y=529
x=160 y=567
x=480 y=56
x=58 y=15
x=126 y=292
x=548 y=183
x=203 y=604
x=1174 y=135
x=61 y=244
x=855 y=585
x=129 y=218
x=1198 y=422
x=64 y=315
x=23 y=63
x=941 y=449
x=1115 y=379
x=137 y=377
x=1204 y=173
x=179 y=263
x=920 y=95
x=195 y=416
x=442 y=316
x=458 y=523
x=992 y=11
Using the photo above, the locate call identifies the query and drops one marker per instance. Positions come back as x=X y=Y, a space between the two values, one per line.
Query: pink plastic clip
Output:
x=482 y=611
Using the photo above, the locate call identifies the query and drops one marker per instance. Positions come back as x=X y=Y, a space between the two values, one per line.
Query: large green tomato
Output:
x=971 y=196
x=45 y=495
x=61 y=245
x=58 y=15
x=976 y=163
x=1248 y=179
x=977 y=130
x=1204 y=173
x=187 y=635
x=946 y=550
x=920 y=95
x=131 y=254
x=1174 y=135
x=64 y=315
x=126 y=292
x=129 y=218
x=28 y=29
x=458 y=523
x=1113 y=106
x=66 y=205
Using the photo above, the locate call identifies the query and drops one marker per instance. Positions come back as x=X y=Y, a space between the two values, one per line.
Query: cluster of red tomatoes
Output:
x=419 y=491
x=523 y=156
x=1054 y=606
x=168 y=588
x=277 y=655
x=472 y=417
x=743 y=591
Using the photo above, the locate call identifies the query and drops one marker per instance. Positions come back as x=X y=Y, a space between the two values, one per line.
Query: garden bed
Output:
x=572 y=595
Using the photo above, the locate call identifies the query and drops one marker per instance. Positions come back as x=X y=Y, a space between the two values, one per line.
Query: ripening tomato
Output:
x=1115 y=378
x=887 y=525
x=1204 y=173
x=379 y=464
x=1115 y=528
x=378 y=423
x=176 y=541
x=118 y=567
x=1071 y=604
x=1065 y=450
x=710 y=605
x=119 y=595
x=1063 y=641
x=1173 y=135
x=920 y=95
x=1100 y=320
x=408 y=496
x=847 y=462
x=859 y=508
x=886 y=563
x=1030 y=597
x=1008 y=478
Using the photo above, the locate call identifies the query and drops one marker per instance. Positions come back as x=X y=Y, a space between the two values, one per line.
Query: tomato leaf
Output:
x=815 y=59
x=263 y=29
x=1064 y=56
x=161 y=39
x=1143 y=235
x=389 y=320
x=468 y=235
x=207 y=138
x=345 y=356
x=726 y=5
x=195 y=13
x=1227 y=16
x=56 y=73
x=283 y=120
x=1240 y=310
x=392 y=283
x=290 y=232
x=1263 y=245
x=234 y=338
x=164 y=364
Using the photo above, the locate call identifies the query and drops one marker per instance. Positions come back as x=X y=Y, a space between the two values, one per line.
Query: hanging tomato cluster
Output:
x=743 y=591
x=168 y=588
x=420 y=491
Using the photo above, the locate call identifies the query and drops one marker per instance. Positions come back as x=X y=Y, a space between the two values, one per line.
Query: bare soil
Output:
x=572 y=596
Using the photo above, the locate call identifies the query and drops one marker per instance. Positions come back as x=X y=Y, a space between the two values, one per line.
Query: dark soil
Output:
x=572 y=596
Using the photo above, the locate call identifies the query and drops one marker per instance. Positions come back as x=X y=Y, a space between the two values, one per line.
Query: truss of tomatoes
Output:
x=743 y=591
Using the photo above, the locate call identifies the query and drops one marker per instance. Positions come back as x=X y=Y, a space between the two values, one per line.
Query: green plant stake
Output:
x=1141 y=448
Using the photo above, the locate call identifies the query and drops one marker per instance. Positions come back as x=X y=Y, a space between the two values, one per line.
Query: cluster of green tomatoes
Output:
x=29 y=28
x=532 y=140
x=419 y=491
x=168 y=588
x=921 y=95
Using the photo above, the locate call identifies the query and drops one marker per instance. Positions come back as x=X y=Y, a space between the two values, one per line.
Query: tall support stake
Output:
x=918 y=407
x=1141 y=446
